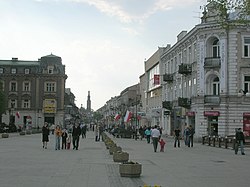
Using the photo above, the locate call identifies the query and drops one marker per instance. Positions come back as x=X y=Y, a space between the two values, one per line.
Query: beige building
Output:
x=34 y=90
x=206 y=78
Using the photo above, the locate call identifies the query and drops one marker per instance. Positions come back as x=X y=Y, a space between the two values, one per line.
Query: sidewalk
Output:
x=25 y=163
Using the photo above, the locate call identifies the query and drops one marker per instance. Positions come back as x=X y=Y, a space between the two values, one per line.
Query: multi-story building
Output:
x=34 y=90
x=206 y=78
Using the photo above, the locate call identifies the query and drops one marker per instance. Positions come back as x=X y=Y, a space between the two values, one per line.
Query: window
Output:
x=216 y=86
x=216 y=48
x=12 y=103
x=26 y=71
x=26 y=86
x=50 y=87
x=13 y=71
x=50 y=69
x=246 y=49
x=26 y=103
x=1 y=70
x=246 y=83
x=13 y=86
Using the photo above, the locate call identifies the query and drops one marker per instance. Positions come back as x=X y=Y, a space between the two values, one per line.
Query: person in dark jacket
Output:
x=191 y=136
x=240 y=140
x=64 y=138
x=45 y=135
x=76 y=134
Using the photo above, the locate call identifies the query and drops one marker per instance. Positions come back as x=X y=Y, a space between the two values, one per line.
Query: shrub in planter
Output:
x=28 y=132
x=113 y=149
x=5 y=135
x=22 y=133
x=130 y=169
x=120 y=156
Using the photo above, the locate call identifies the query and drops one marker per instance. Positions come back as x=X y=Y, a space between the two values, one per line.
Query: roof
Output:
x=19 y=63
x=51 y=56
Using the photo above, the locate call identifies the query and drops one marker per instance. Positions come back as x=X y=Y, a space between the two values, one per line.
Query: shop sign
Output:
x=190 y=113
x=246 y=114
x=211 y=113
x=49 y=106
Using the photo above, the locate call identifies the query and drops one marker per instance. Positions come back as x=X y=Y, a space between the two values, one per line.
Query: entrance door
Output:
x=212 y=128
x=49 y=120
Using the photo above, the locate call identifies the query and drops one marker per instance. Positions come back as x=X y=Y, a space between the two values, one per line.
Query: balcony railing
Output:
x=184 y=102
x=212 y=62
x=212 y=99
x=185 y=69
x=168 y=77
x=167 y=104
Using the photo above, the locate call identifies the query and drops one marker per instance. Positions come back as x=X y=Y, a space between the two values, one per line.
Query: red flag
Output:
x=127 y=116
x=18 y=115
x=117 y=117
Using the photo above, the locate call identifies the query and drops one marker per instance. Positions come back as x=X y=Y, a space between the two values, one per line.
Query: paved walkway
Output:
x=24 y=163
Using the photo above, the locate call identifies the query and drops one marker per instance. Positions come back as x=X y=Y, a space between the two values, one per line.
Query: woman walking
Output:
x=45 y=135
x=58 y=134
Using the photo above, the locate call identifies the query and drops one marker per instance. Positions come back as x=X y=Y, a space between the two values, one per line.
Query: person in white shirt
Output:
x=155 y=134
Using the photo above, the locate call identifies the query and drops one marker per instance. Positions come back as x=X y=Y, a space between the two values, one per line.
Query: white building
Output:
x=203 y=73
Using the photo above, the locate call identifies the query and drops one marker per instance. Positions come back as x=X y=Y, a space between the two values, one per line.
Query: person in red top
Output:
x=162 y=144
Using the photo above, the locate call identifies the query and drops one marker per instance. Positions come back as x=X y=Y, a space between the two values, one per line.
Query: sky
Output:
x=103 y=43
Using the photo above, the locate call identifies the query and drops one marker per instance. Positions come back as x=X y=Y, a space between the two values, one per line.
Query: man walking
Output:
x=76 y=134
x=155 y=134
x=177 y=136
x=240 y=140
x=191 y=136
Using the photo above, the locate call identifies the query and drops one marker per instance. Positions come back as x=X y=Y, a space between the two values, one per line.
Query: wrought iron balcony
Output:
x=167 y=104
x=168 y=77
x=185 y=69
x=184 y=102
x=212 y=99
x=212 y=62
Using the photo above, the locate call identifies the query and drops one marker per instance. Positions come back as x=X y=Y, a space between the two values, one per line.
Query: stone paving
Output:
x=24 y=163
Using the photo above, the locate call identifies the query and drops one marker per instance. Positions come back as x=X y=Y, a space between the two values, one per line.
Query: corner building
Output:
x=206 y=78
x=35 y=90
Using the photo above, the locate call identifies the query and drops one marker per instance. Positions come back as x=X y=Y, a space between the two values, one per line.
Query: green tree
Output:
x=239 y=8
x=2 y=101
x=97 y=116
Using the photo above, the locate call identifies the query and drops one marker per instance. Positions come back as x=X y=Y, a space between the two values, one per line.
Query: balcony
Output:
x=185 y=69
x=212 y=99
x=212 y=62
x=168 y=77
x=184 y=102
x=167 y=105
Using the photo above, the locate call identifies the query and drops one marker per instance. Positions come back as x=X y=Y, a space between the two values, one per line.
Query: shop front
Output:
x=212 y=122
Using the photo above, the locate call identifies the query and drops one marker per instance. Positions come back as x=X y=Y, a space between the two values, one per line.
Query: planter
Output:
x=5 y=135
x=22 y=133
x=113 y=149
x=28 y=132
x=120 y=156
x=130 y=169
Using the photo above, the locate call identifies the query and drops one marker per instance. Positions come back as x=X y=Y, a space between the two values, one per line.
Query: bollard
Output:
x=234 y=142
x=209 y=140
x=203 y=140
x=213 y=141
x=219 y=140
x=226 y=142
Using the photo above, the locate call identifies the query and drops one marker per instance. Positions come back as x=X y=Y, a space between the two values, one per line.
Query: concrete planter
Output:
x=113 y=149
x=120 y=156
x=22 y=133
x=130 y=169
x=5 y=135
x=28 y=132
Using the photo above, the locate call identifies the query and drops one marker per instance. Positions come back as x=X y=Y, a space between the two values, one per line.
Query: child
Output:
x=68 y=140
x=162 y=144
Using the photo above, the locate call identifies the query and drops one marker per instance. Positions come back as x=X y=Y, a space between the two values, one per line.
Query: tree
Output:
x=2 y=101
x=97 y=116
x=231 y=12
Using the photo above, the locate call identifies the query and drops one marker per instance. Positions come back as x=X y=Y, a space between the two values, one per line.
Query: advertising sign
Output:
x=49 y=106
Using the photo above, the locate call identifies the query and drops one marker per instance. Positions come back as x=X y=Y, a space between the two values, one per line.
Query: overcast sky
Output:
x=102 y=43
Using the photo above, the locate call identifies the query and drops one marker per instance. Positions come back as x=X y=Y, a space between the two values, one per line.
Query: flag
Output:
x=127 y=116
x=117 y=117
x=18 y=115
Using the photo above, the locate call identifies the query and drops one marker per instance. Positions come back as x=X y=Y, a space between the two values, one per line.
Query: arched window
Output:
x=216 y=86
x=216 y=48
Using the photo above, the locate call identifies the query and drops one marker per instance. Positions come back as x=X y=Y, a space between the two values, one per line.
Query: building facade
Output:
x=34 y=90
x=206 y=78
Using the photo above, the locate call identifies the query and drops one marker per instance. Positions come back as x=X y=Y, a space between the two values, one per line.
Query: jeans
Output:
x=148 y=138
x=57 y=147
x=177 y=139
x=75 y=142
x=191 y=141
x=241 y=147
x=155 y=143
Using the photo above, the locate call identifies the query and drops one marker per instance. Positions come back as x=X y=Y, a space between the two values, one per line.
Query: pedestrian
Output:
x=68 y=140
x=45 y=135
x=96 y=132
x=155 y=134
x=162 y=144
x=177 y=136
x=148 y=134
x=240 y=140
x=76 y=134
x=186 y=135
x=191 y=136
x=58 y=134
x=64 y=138
x=141 y=132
